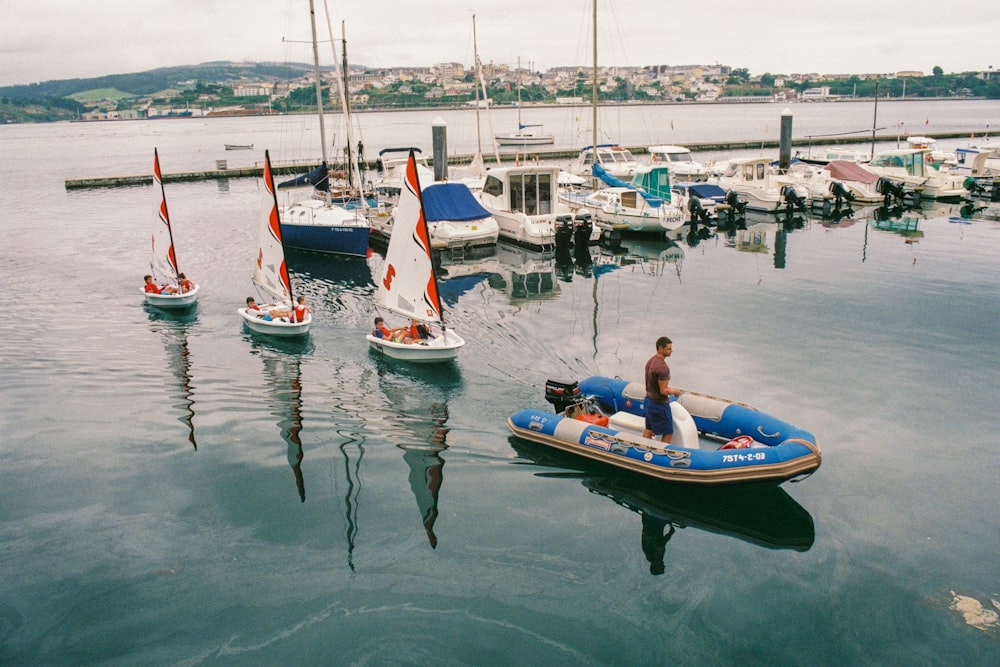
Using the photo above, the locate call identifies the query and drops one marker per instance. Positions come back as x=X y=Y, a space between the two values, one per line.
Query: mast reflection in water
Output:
x=174 y=330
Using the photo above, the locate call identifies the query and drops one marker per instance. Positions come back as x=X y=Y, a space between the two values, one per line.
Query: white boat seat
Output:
x=627 y=421
x=685 y=430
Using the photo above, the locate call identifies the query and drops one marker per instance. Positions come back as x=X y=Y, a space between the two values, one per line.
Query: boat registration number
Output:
x=744 y=458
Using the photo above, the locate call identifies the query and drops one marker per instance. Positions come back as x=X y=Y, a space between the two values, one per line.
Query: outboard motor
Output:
x=840 y=193
x=582 y=228
x=892 y=192
x=736 y=207
x=564 y=230
x=697 y=210
x=562 y=394
x=793 y=200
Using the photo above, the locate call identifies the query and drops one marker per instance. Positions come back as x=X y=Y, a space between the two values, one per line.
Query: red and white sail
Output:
x=408 y=285
x=270 y=272
x=163 y=263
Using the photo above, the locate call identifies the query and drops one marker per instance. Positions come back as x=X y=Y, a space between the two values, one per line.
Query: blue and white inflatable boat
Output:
x=715 y=441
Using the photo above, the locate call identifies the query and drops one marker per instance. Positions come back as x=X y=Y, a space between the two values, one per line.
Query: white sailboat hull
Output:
x=276 y=327
x=172 y=301
x=444 y=347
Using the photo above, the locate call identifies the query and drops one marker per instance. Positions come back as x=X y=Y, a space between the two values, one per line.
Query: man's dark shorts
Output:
x=659 y=420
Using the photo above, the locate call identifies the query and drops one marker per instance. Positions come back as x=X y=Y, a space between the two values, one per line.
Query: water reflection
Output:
x=283 y=371
x=648 y=253
x=517 y=272
x=765 y=516
x=173 y=328
x=420 y=428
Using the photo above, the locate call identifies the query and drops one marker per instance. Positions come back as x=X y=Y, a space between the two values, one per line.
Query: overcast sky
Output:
x=62 y=39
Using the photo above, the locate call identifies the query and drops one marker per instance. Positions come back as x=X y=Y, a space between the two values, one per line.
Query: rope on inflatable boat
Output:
x=718 y=398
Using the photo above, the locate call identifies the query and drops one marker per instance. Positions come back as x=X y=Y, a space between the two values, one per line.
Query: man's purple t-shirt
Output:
x=656 y=370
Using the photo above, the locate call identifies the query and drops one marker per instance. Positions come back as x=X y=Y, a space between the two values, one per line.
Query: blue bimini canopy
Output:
x=451 y=201
x=707 y=191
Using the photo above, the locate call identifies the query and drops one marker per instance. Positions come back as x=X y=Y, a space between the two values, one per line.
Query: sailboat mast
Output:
x=475 y=55
x=594 y=91
x=164 y=214
x=352 y=162
x=319 y=81
x=346 y=102
x=875 y=118
x=594 y=83
x=519 y=126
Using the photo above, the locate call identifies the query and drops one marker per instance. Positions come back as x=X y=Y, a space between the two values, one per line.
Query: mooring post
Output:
x=439 y=134
x=785 y=145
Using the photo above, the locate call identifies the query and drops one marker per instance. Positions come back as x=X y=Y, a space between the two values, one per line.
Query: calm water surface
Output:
x=178 y=491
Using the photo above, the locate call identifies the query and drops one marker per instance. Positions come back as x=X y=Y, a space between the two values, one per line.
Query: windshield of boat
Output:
x=531 y=194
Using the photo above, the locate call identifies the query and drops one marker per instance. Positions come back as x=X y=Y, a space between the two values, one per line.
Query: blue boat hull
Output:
x=333 y=240
x=781 y=452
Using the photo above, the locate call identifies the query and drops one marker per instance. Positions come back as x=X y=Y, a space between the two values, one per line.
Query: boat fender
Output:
x=739 y=442
x=599 y=420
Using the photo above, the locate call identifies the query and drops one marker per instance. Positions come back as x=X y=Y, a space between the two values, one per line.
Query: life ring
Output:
x=739 y=442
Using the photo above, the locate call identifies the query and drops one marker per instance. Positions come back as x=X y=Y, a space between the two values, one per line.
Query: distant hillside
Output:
x=147 y=83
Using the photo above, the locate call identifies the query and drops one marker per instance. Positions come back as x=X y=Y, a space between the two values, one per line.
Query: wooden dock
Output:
x=506 y=155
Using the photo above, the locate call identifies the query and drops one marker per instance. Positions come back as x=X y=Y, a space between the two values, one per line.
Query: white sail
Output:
x=270 y=272
x=408 y=285
x=163 y=262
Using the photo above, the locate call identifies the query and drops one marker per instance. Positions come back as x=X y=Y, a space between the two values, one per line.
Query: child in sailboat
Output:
x=186 y=285
x=158 y=289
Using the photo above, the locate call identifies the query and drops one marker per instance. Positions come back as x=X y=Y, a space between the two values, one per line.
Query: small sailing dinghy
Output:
x=408 y=286
x=270 y=275
x=163 y=263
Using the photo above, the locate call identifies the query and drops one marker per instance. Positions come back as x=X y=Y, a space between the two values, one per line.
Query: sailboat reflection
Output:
x=420 y=428
x=282 y=368
x=765 y=516
x=427 y=470
x=174 y=326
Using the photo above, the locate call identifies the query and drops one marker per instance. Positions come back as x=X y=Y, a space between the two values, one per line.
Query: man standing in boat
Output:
x=659 y=420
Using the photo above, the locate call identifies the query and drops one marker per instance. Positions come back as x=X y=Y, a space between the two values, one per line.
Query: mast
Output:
x=165 y=215
x=875 y=119
x=594 y=92
x=519 y=126
x=319 y=89
x=475 y=55
x=353 y=169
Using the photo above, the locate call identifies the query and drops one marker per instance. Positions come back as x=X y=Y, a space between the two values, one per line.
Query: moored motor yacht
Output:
x=678 y=159
x=524 y=201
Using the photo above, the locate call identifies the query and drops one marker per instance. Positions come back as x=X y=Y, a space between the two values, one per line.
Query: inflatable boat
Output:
x=716 y=441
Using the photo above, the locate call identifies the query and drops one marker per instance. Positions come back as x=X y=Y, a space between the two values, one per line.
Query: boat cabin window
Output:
x=622 y=155
x=748 y=172
x=681 y=157
x=630 y=199
x=493 y=186
x=531 y=194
